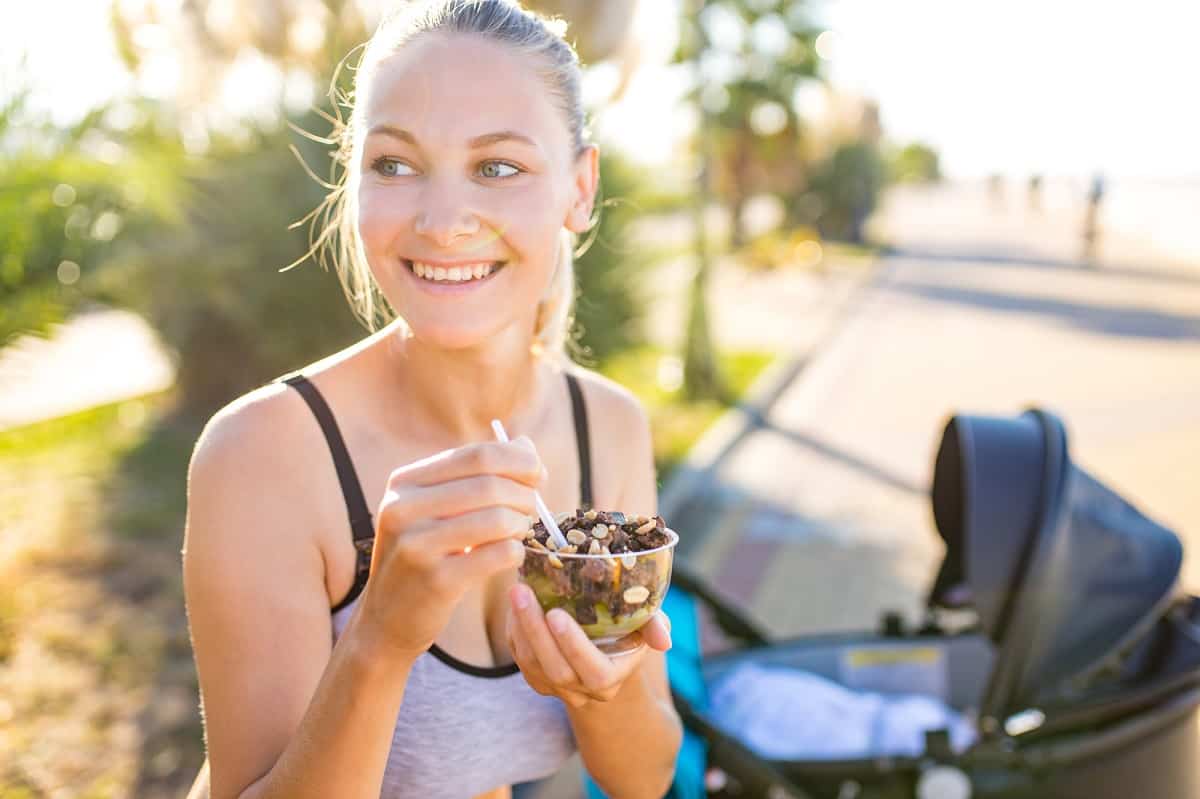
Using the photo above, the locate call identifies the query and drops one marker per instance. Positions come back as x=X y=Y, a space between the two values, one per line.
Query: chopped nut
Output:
x=642 y=519
x=538 y=545
x=530 y=533
x=603 y=549
x=600 y=531
x=594 y=549
x=554 y=561
x=636 y=595
x=629 y=560
x=590 y=515
x=569 y=549
x=576 y=536
x=646 y=527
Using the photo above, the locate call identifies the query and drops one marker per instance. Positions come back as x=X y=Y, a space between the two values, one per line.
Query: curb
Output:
x=719 y=440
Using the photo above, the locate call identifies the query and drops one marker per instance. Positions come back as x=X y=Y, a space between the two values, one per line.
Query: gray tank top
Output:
x=459 y=734
x=462 y=730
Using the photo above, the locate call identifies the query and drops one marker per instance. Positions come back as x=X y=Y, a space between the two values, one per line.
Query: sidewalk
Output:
x=92 y=359
x=812 y=511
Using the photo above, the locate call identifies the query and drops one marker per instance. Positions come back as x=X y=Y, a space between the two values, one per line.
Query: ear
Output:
x=583 y=189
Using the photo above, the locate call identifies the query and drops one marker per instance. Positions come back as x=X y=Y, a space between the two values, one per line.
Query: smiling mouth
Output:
x=455 y=275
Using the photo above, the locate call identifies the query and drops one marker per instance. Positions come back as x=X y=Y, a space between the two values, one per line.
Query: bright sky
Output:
x=1031 y=85
x=1053 y=86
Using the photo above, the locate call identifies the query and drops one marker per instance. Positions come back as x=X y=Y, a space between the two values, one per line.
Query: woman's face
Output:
x=467 y=167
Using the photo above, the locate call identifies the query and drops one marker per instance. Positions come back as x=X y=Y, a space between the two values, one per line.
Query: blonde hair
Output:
x=334 y=223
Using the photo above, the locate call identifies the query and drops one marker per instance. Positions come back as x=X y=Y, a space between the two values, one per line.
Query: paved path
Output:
x=818 y=518
x=91 y=359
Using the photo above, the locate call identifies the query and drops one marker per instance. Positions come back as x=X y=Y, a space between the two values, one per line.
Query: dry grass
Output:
x=97 y=690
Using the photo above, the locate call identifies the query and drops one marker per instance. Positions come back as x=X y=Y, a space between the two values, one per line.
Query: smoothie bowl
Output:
x=611 y=576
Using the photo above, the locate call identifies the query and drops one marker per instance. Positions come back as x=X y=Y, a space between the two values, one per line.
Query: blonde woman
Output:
x=353 y=534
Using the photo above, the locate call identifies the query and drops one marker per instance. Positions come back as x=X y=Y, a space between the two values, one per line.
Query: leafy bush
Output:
x=609 y=307
x=69 y=198
x=914 y=163
x=844 y=189
x=211 y=282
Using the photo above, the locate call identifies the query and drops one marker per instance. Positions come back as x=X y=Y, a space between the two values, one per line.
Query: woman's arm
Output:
x=640 y=720
x=287 y=714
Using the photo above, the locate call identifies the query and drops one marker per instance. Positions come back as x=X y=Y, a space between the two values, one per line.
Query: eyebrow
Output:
x=475 y=143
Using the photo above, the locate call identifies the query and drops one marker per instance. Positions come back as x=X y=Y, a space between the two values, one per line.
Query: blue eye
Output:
x=489 y=169
x=390 y=167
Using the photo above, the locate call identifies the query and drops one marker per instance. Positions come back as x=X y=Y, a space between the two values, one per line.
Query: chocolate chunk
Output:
x=585 y=610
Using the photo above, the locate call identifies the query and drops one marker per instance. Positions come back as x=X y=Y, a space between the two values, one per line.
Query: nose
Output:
x=444 y=219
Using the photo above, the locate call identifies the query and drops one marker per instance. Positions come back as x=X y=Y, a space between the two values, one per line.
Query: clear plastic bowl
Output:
x=610 y=596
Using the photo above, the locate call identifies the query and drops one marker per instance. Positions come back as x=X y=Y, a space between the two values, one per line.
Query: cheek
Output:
x=380 y=215
x=527 y=221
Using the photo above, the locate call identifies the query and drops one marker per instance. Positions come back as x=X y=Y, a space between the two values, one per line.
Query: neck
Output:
x=455 y=394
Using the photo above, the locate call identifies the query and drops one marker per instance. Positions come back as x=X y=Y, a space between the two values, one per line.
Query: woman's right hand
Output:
x=446 y=523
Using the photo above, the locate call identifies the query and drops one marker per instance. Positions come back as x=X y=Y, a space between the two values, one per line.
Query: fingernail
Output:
x=520 y=597
x=557 y=621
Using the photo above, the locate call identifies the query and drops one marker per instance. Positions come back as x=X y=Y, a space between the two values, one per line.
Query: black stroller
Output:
x=1079 y=661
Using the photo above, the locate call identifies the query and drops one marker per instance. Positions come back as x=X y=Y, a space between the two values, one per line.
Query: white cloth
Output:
x=789 y=714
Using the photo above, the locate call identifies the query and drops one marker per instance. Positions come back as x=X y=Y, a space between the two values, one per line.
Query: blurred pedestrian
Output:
x=1035 y=192
x=1091 y=216
x=995 y=189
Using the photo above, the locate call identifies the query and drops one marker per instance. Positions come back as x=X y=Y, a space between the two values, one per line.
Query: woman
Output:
x=344 y=653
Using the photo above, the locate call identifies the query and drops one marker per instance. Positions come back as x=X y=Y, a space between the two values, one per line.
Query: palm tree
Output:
x=701 y=379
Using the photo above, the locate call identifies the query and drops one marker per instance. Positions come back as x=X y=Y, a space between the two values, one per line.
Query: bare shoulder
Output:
x=251 y=426
x=612 y=408
x=254 y=580
x=622 y=448
x=253 y=462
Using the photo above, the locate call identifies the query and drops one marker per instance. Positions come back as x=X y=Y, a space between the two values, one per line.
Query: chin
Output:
x=453 y=337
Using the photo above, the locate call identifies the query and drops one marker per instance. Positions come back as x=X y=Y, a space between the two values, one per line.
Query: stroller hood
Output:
x=1064 y=574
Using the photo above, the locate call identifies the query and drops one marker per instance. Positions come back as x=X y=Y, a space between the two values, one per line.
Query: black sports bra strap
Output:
x=356 y=506
x=582 y=441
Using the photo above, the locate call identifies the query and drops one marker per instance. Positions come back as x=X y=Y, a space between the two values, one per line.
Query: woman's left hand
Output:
x=558 y=659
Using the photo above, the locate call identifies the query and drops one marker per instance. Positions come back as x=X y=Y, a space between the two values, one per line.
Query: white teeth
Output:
x=453 y=274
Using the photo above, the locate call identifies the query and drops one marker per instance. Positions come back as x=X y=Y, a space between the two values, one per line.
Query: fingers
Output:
x=470 y=530
x=517 y=460
x=518 y=645
x=483 y=561
x=657 y=632
x=448 y=499
x=555 y=646
x=542 y=646
x=600 y=676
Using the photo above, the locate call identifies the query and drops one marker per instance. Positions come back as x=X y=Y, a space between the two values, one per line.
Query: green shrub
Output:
x=844 y=189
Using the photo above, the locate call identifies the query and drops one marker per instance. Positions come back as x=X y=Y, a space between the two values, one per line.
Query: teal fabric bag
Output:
x=687 y=680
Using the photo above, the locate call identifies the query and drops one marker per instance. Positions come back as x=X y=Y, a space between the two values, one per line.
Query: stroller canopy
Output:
x=1064 y=574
